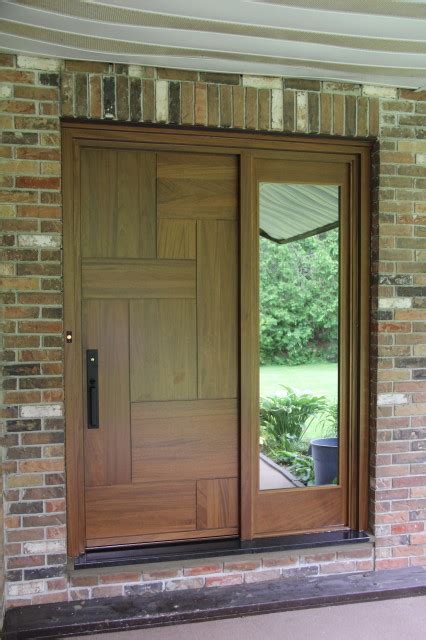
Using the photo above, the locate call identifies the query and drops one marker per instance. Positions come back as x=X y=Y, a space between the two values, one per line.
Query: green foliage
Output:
x=299 y=300
x=329 y=421
x=284 y=420
x=300 y=464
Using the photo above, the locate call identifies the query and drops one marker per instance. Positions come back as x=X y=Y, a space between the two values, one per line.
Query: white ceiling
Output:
x=370 y=41
x=288 y=211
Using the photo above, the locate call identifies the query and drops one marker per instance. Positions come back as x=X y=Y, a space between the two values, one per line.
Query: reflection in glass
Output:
x=299 y=335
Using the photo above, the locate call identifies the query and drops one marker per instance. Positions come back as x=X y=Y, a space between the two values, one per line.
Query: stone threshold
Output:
x=99 y=615
x=204 y=549
x=148 y=565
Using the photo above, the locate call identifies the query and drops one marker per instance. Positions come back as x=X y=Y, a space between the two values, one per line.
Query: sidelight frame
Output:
x=249 y=147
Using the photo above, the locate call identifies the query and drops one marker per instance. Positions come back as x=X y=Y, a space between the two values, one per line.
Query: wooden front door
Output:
x=159 y=335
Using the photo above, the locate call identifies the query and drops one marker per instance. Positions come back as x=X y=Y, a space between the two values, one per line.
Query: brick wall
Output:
x=33 y=93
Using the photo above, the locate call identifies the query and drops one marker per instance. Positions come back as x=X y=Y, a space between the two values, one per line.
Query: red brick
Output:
x=17 y=106
x=391 y=563
x=12 y=75
x=113 y=578
x=36 y=182
x=243 y=565
x=224 y=581
x=39 y=211
x=262 y=576
x=203 y=569
x=338 y=567
x=161 y=574
x=37 y=153
x=107 y=591
x=411 y=527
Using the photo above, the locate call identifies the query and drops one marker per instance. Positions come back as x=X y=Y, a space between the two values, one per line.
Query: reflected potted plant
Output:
x=284 y=422
x=325 y=450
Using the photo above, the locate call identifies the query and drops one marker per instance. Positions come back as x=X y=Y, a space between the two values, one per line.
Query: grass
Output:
x=318 y=379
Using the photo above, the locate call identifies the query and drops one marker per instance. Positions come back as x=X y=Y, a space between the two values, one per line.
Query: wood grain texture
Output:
x=217 y=307
x=139 y=279
x=163 y=360
x=197 y=186
x=283 y=511
x=252 y=145
x=128 y=510
x=217 y=503
x=297 y=510
x=170 y=536
x=176 y=239
x=193 y=409
x=73 y=373
x=249 y=345
x=196 y=440
x=107 y=449
x=118 y=209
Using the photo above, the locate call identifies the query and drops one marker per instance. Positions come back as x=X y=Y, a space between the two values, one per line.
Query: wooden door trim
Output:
x=248 y=146
x=74 y=412
x=355 y=387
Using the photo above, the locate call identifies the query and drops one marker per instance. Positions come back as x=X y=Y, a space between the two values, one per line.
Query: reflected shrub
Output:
x=284 y=421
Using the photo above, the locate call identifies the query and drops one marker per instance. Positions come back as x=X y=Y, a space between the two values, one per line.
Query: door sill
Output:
x=210 y=548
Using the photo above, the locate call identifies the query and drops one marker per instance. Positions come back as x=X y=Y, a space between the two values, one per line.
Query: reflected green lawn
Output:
x=318 y=379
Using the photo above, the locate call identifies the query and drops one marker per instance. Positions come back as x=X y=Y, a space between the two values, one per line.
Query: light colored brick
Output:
x=277 y=109
x=44 y=241
x=395 y=303
x=392 y=398
x=262 y=82
x=302 y=111
x=43 y=64
x=6 y=90
x=46 y=546
x=41 y=411
x=25 y=588
x=378 y=91
x=162 y=101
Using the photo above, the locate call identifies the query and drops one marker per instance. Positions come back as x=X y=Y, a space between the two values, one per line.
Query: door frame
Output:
x=356 y=153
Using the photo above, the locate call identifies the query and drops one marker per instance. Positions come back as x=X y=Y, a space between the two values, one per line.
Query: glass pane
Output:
x=299 y=335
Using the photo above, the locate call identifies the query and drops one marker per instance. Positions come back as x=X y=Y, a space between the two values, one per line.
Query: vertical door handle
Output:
x=92 y=388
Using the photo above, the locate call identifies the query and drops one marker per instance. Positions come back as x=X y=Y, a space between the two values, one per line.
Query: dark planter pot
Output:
x=325 y=453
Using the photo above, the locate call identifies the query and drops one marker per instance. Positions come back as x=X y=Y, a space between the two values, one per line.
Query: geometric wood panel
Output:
x=118 y=204
x=133 y=509
x=139 y=279
x=176 y=239
x=160 y=300
x=217 y=307
x=184 y=444
x=107 y=449
x=217 y=503
x=198 y=186
x=163 y=347
x=315 y=508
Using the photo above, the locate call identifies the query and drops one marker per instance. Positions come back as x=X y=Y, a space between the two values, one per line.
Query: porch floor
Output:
x=384 y=620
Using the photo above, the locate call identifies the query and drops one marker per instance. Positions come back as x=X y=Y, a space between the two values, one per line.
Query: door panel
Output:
x=217 y=302
x=197 y=186
x=185 y=442
x=177 y=239
x=155 y=507
x=160 y=304
x=217 y=503
x=107 y=449
x=139 y=279
x=163 y=359
x=120 y=217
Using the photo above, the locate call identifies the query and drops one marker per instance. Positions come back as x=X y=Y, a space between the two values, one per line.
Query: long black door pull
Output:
x=92 y=388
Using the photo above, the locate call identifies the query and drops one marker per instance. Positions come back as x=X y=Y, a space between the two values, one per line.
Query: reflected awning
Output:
x=290 y=212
